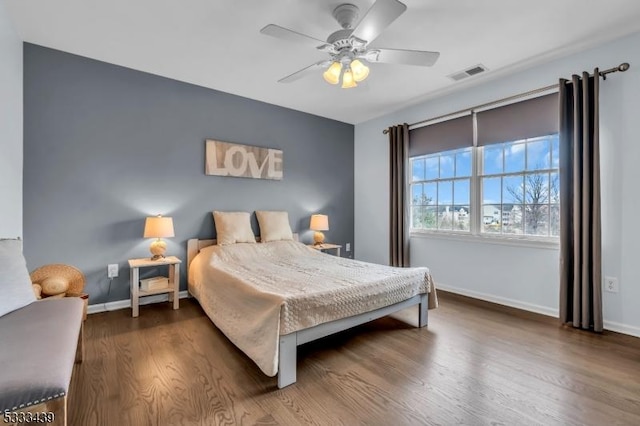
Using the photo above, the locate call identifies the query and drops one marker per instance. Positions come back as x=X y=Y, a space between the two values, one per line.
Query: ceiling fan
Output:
x=349 y=49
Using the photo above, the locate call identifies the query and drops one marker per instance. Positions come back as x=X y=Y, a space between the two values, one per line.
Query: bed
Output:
x=269 y=298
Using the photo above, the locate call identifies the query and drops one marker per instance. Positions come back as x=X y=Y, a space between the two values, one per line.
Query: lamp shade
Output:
x=319 y=222
x=360 y=70
x=158 y=227
x=332 y=74
x=347 y=79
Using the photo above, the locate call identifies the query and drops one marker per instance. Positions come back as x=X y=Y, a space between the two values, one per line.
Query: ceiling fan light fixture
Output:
x=347 y=79
x=360 y=70
x=348 y=48
x=332 y=74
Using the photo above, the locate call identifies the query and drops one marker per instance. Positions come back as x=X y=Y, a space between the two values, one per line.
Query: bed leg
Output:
x=287 y=360
x=423 y=309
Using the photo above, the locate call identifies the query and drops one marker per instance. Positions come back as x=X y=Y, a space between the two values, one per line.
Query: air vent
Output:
x=477 y=69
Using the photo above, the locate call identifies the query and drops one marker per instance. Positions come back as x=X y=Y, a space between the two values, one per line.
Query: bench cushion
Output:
x=38 y=351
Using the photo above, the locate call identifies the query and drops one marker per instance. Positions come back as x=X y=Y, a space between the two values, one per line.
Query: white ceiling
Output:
x=217 y=44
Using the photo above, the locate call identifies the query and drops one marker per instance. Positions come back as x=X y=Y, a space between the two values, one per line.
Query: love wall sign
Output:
x=232 y=159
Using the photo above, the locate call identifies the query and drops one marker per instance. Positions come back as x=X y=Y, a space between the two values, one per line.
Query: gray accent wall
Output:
x=106 y=146
x=10 y=128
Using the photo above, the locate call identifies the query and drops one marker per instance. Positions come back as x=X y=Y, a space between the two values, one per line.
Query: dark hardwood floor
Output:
x=475 y=364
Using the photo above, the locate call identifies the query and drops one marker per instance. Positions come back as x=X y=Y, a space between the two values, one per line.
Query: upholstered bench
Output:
x=39 y=342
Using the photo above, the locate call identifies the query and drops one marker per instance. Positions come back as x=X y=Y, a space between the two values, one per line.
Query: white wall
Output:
x=524 y=277
x=10 y=128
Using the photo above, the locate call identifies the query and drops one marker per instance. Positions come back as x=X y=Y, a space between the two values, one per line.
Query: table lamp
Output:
x=158 y=227
x=319 y=222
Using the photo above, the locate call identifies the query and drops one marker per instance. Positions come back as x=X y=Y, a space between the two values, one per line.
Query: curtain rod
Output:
x=622 y=68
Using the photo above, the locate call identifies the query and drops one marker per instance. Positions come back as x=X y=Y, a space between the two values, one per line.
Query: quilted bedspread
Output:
x=255 y=292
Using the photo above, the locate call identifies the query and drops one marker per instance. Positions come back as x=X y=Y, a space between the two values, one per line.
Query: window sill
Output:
x=531 y=242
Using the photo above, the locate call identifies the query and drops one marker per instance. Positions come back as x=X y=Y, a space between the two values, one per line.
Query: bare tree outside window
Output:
x=538 y=196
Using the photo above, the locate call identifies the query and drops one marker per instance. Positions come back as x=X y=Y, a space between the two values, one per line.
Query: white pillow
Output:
x=233 y=227
x=15 y=283
x=274 y=226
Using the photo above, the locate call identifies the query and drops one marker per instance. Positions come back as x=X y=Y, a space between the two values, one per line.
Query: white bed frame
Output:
x=288 y=346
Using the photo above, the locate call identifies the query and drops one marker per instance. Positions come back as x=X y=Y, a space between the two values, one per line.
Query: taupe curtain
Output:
x=580 y=230
x=399 y=213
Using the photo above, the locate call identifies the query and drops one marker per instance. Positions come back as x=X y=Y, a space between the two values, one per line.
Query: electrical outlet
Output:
x=348 y=246
x=611 y=284
x=112 y=270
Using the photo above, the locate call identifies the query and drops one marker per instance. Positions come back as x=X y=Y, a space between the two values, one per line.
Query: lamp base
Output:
x=318 y=238
x=158 y=248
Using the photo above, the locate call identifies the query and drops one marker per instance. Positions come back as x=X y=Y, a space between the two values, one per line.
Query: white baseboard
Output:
x=544 y=310
x=622 y=328
x=608 y=325
x=122 y=304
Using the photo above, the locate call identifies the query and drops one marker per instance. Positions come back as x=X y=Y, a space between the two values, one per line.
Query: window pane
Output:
x=461 y=201
x=512 y=219
x=432 y=167
x=446 y=166
x=513 y=190
x=538 y=154
x=514 y=157
x=491 y=219
x=431 y=193
x=445 y=219
x=491 y=191
x=536 y=219
x=555 y=152
x=554 y=225
x=463 y=163
x=461 y=192
x=536 y=188
x=554 y=188
x=492 y=156
x=416 y=216
x=461 y=218
x=417 y=195
x=417 y=167
x=445 y=193
x=429 y=218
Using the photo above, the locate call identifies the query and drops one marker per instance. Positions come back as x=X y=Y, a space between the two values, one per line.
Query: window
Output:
x=441 y=190
x=520 y=190
x=499 y=180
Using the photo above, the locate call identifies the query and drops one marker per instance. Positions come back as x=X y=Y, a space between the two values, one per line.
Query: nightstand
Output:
x=326 y=246
x=174 y=281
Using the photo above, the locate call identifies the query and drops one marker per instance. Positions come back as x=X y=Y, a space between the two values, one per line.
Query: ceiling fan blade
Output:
x=311 y=69
x=290 y=35
x=377 y=18
x=401 y=56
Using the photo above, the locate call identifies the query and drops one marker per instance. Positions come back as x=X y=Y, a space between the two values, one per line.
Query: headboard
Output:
x=194 y=246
